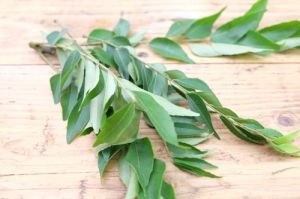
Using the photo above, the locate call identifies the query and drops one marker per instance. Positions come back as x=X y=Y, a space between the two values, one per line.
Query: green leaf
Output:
x=100 y=103
x=193 y=141
x=210 y=98
x=122 y=59
x=287 y=138
x=188 y=130
x=55 y=87
x=55 y=36
x=201 y=28
x=158 y=116
x=171 y=108
x=176 y=74
x=235 y=29
x=179 y=27
x=287 y=149
x=154 y=187
x=186 y=151
x=287 y=44
x=99 y=35
x=270 y=133
x=158 y=85
x=68 y=101
x=169 y=49
x=242 y=133
x=94 y=91
x=129 y=178
x=193 y=167
x=167 y=191
x=222 y=49
x=256 y=40
x=198 y=105
x=196 y=162
x=120 y=41
x=79 y=76
x=69 y=66
x=193 y=84
x=141 y=158
x=103 y=56
x=137 y=38
x=122 y=27
x=106 y=155
x=114 y=131
x=77 y=122
x=281 y=31
x=225 y=111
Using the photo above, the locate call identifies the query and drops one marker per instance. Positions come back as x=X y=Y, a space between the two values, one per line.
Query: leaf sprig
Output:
x=103 y=87
x=236 y=37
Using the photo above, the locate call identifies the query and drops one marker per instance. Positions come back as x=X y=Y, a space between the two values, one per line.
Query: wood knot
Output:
x=286 y=119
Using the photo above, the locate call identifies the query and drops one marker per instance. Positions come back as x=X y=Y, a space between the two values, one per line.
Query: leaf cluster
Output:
x=105 y=89
x=237 y=36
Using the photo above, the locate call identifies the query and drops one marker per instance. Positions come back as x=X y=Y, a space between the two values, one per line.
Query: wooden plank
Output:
x=34 y=155
x=154 y=16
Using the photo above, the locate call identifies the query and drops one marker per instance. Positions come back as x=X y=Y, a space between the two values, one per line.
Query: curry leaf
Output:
x=234 y=30
x=122 y=27
x=201 y=28
x=115 y=127
x=169 y=49
x=221 y=49
x=140 y=157
x=158 y=117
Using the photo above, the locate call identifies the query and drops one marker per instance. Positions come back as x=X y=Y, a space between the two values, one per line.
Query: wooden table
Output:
x=36 y=162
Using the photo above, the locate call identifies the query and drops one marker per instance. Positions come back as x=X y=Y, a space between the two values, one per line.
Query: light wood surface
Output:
x=36 y=162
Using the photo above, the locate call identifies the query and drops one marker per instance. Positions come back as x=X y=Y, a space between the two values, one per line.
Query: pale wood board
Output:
x=36 y=162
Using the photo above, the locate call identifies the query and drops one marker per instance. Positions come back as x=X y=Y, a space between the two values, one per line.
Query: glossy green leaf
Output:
x=94 y=91
x=158 y=116
x=120 y=41
x=193 y=167
x=197 y=104
x=186 y=151
x=55 y=87
x=287 y=44
x=201 y=28
x=256 y=40
x=106 y=155
x=122 y=27
x=99 y=35
x=68 y=101
x=116 y=125
x=241 y=133
x=100 y=103
x=222 y=49
x=55 y=36
x=280 y=31
x=235 y=29
x=103 y=56
x=122 y=59
x=289 y=138
x=188 y=130
x=169 y=49
x=70 y=64
x=167 y=191
x=179 y=27
x=158 y=85
x=193 y=84
x=171 y=108
x=287 y=149
x=175 y=74
x=154 y=187
x=129 y=178
x=77 y=122
x=193 y=141
x=141 y=158
x=137 y=38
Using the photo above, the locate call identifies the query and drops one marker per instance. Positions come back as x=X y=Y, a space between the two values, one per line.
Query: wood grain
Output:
x=37 y=163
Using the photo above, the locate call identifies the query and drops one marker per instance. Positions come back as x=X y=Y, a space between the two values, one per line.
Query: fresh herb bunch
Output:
x=236 y=37
x=103 y=87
